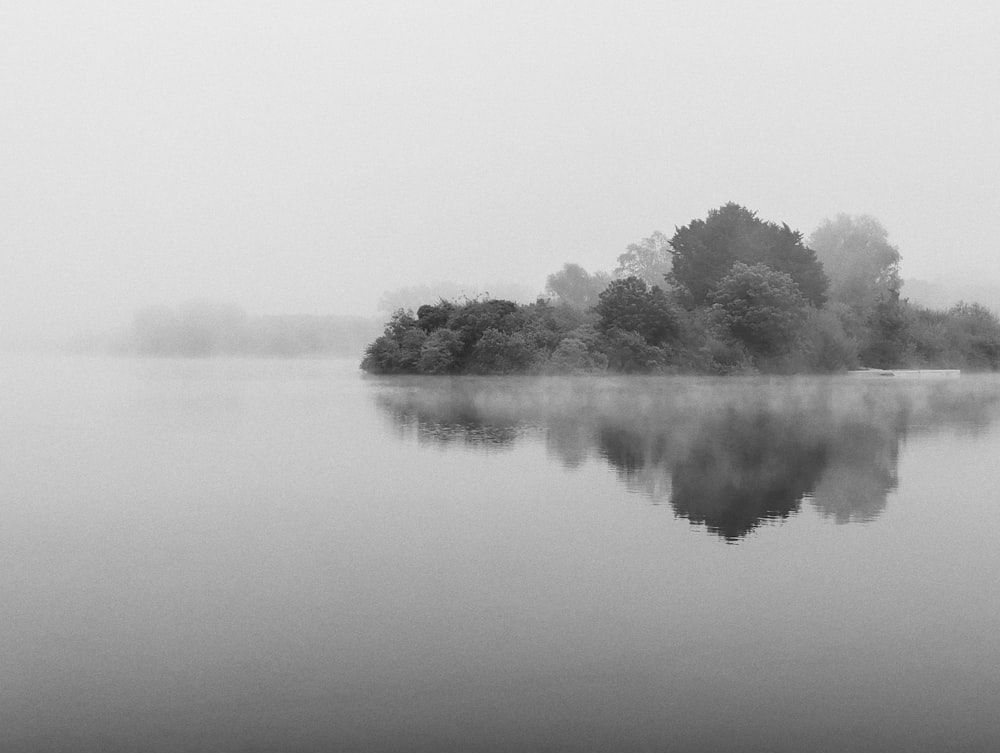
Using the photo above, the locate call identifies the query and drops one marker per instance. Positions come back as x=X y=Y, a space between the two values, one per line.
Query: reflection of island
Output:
x=727 y=455
x=743 y=468
x=746 y=466
x=452 y=418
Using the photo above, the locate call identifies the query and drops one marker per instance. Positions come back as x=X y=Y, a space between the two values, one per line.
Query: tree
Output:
x=434 y=316
x=574 y=286
x=886 y=333
x=475 y=317
x=977 y=332
x=761 y=308
x=398 y=349
x=631 y=305
x=649 y=259
x=863 y=267
x=705 y=250
x=629 y=352
x=826 y=346
x=547 y=325
x=575 y=353
x=965 y=336
x=440 y=353
x=499 y=352
x=930 y=337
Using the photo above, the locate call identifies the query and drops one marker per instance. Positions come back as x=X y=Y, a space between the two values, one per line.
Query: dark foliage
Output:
x=705 y=250
x=760 y=470
x=761 y=308
x=486 y=337
x=432 y=317
x=631 y=305
x=743 y=296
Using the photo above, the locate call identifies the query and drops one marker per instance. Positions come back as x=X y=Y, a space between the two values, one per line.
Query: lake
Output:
x=269 y=555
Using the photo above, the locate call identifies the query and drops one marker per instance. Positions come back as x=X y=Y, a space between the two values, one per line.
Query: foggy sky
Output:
x=304 y=157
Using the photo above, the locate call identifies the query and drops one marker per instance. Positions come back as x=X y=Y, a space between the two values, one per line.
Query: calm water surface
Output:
x=286 y=556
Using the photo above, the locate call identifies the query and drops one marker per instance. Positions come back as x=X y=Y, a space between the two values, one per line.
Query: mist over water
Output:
x=256 y=555
x=225 y=540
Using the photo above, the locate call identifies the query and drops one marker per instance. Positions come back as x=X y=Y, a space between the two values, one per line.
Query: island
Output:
x=728 y=294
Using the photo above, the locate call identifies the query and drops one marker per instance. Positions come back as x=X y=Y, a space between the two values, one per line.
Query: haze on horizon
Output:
x=306 y=157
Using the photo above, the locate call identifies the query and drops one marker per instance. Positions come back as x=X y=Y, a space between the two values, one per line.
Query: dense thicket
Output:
x=729 y=293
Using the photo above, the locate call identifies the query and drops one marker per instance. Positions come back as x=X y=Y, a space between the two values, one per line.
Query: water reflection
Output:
x=860 y=472
x=744 y=468
x=725 y=454
x=449 y=417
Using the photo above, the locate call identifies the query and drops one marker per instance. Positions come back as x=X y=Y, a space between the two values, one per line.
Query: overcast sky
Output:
x=304 y=157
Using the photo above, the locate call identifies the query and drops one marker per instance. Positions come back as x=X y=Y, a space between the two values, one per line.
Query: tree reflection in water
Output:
x=860 y=472
x=728 y=454
x=449 y=417
x=745 y=468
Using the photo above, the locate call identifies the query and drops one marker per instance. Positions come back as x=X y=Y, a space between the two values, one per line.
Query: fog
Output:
x=305 y=158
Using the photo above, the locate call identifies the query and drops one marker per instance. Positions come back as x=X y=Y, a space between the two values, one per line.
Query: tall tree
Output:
x=863 y=267
x=649 y=259
x=705 y=250
x=574 y=286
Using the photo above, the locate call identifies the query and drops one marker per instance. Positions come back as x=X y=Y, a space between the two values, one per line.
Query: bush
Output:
x=929 y=338
x=440 y=353
x=977 y=330
x=826 y=346
x=573 y=355
x=630 y=305
x=965 y=336
x=432 y=317
x=498 y=352
x=886 y=339
x=761 y=308
x=398 y=349
x=628 y=352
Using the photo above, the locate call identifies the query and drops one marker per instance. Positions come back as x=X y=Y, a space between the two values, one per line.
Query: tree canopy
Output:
x=574 y=286
x=861 y=264
x=761 y=307
x=649 y=259
x=632 y=306
x=705 y=250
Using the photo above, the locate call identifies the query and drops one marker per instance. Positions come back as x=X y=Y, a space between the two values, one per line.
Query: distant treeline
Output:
x=201 y=328
x=728 y=294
